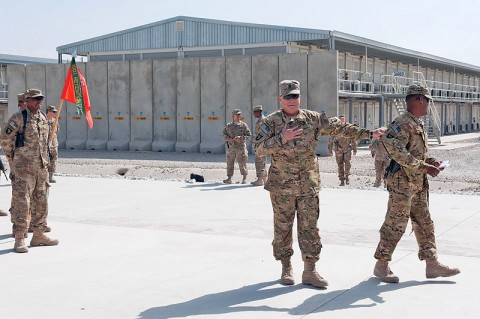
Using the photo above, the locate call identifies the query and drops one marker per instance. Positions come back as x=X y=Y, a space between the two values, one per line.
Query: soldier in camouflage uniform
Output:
x=407 y=144
x=53 y=148
x=26 y=148
x=260 y=157
x=343 y=154
x=235 y=135
x=290 y=137
x=382 y=160
x=21 y=106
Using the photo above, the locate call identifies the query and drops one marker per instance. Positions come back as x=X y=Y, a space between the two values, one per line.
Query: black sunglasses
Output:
x=38 y=98
x=291 y=96
x=423 y=98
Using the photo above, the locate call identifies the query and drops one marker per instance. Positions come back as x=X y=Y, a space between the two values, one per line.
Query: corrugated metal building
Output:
x=372 y=76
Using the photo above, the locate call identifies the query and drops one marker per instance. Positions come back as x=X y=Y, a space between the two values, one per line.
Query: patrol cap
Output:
x=51 y=108
x=20 y=97
x=257 y=108
x=289 y=87
x=236 y=112
x=416 y=89
x=31 y=93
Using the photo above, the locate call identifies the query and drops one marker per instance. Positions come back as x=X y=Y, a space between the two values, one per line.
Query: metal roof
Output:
x=199 y=32
x=19 y=59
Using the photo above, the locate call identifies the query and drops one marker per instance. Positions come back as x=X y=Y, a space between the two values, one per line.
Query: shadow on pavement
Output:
x=226 y=301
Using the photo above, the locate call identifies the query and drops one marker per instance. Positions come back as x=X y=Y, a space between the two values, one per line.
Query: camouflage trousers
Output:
x=52 y=167
x=402 y=205
x=260 y=165
x=241 y=155
x=29 y=194
x=343 y=161
x=380 y=167
x=307 y=211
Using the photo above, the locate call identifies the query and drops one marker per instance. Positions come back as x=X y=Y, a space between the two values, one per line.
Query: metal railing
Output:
x=432 y=120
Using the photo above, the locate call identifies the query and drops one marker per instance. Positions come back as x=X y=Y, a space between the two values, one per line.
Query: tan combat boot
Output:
x=383 y=271
x=377 y=184
x=20 y=246
x=258 y=182
x=347 y=181
x=228 y=180
x=50 y=178
x=31 y=229
x=3 y=213
x=342 y=182
x=287 y=272
x=40 y=239
x=244 y=180
x=435 y=269
x=310 y=276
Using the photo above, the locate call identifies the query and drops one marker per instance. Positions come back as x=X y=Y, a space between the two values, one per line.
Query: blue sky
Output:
x=444 y=28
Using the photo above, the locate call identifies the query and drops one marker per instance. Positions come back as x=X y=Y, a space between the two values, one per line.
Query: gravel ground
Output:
x=461 y=177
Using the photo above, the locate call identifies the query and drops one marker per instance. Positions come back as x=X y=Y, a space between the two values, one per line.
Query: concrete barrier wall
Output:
x=98 y=92
x=212 y=102
x=188 y=105
x=183 y=104
x=118 y=105
x=238 y=93
x=55 y=78
x=164 y=105
x=141 y=105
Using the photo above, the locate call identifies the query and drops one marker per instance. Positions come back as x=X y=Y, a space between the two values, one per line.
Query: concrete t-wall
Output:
x=176 y=104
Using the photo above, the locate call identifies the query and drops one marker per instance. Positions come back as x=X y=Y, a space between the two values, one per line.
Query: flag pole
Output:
x=55 y=123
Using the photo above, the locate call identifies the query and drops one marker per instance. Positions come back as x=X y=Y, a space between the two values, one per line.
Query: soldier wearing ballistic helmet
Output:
x=290 y=137
x=235 y=134
x=260 y=157
x=406 y=142
x=24 y=143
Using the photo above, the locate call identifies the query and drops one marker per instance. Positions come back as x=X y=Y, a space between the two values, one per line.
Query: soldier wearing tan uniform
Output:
x=21 y=106
x=407 y=144
x=290 y=137
x=25 y=145
x=260 y=156
x=343 y=147
x=235 y=135
x=379 y=153
x=53 y=148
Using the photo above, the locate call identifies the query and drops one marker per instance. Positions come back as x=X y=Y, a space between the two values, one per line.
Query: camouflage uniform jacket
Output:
x=35 y=141
x=294 y=167
x=236 y=129
x=342 y=144
x=378 y=151
x=406 y=142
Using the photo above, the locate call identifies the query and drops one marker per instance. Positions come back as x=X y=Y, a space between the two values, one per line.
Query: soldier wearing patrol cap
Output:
x=343 y=148
x=21 y=101
x=235 y=135
x=290 y=137
x=53 y=148
x=406 y=142
x=24 y=143
x=260 y=157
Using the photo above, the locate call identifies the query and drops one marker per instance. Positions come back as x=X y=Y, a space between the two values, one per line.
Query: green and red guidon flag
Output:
x=75 y=91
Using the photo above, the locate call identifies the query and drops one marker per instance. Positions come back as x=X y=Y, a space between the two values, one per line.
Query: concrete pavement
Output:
x=160 y=249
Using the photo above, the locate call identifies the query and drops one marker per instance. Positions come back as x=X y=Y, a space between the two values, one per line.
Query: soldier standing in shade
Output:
x=24 y=143
x=260 y=156
x=407 y=183
x=235 y=134
x=53 y=148
x=343 y=154
x=382 y=160
x=290 y=137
